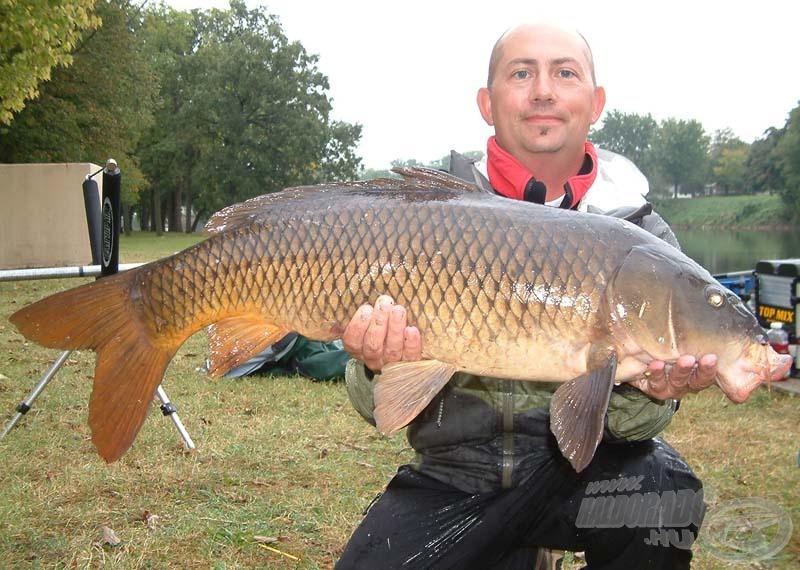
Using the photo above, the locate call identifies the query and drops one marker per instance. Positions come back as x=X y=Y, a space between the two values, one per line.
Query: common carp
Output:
x=496 y=287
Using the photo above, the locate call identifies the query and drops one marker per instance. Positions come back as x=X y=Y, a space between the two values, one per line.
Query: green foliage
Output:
x=680 y=153
x=762 y=168
x=243 y=112
x=728 y=162
x=787 y=152
x=200 y=109
x=35 y=37
x=628 y=134
x=748 y=211
x=95 y=109
x=372 y=173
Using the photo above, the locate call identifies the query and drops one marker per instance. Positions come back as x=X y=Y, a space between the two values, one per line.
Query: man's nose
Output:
x=542 y=88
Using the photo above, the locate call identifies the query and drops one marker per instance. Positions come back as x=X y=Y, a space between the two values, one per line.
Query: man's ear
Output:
x=598 y=104
x=485 y=105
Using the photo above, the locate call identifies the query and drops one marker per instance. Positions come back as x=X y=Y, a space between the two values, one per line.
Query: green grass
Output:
x=285 y=458
x=762 y=211
x=147 y=246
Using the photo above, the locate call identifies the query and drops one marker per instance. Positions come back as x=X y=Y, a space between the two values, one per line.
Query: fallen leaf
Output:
x=150 y=520
x=265 y=539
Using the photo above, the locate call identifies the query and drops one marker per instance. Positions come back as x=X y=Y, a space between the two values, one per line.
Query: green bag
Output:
x=295 y=354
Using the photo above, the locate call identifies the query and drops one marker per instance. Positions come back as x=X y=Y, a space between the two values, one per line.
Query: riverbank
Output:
x=727 y=212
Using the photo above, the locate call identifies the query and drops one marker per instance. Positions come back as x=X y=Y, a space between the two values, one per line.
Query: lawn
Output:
x=283 y=467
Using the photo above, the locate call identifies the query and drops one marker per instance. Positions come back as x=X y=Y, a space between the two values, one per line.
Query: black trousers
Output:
x=635 y=506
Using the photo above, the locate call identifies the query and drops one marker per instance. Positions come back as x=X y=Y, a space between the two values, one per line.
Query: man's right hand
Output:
x=379 y=335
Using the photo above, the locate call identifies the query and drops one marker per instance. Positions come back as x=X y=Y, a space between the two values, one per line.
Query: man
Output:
x=489 y=488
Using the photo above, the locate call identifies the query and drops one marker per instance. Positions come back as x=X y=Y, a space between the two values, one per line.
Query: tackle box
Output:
x=777 y=289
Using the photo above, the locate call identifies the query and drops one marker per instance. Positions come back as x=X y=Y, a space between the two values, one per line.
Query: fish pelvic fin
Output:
x=577 y=413
x=404 y=389
x=234 y=340
x=100 y=316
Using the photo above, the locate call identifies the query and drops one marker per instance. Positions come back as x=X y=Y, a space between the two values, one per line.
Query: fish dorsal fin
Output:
x=249 y=211
x=577 y=413
x=632 y=214
x=413 y=179
x=404 y=389
x=233 y=341
x=432 y=178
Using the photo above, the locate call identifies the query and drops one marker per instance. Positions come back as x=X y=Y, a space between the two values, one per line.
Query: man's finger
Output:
x=375 y=337
x=705 y=374
x=675 y=383
x=412 y=345
x=395 y=333
x=353 y=336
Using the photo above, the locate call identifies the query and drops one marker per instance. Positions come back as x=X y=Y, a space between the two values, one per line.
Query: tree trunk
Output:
x=175 y=202
x=127 y=219
x=188 y=200
x=197 y=219
x=157 y=218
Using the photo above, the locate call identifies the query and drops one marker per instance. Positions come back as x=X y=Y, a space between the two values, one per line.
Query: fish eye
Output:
x=714 y=297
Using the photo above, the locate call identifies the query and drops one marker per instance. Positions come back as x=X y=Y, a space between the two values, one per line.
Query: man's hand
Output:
x=688 y=375
x=380 y=335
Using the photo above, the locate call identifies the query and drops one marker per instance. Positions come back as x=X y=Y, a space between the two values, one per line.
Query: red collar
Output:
x=512 y=180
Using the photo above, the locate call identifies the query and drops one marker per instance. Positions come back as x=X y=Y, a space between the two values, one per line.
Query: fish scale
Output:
x=496 y=287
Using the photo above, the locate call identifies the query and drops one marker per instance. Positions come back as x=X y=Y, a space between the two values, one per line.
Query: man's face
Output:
x=542 y=98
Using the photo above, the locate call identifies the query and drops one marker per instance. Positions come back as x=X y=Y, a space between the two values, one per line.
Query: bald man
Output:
x=489 y=488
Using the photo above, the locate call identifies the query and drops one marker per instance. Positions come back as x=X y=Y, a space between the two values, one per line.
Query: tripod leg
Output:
x=169 y=410
x=23 y=408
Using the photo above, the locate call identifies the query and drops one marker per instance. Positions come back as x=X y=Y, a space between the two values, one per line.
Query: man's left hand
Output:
x=673 y=381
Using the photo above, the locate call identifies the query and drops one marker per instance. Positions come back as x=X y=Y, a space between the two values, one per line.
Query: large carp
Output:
x=497 y=287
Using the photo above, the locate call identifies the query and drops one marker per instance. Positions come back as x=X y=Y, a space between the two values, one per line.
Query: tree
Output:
x=372 y=173
x=91 y=111
x=728 y=161
x=762 y=167
x=787 y=152
x=169 y=149
x=628 y=134
x=35 y=37
x=247 y=113
x=680 y=155
x=340 y=161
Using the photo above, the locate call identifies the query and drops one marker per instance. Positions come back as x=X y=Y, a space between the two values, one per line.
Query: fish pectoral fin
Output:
x=235 y=340
x=578 y=410
x=404 y=389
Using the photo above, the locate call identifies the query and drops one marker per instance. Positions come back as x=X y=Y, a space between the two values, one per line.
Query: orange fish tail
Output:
x=100 y=316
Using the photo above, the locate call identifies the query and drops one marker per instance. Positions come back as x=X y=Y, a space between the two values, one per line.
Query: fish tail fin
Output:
x=100 y=316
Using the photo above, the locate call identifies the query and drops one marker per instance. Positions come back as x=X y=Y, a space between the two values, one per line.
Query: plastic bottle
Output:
x=778 y=339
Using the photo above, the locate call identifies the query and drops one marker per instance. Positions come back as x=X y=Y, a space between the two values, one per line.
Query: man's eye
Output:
x=521 y=74
x=566 y=73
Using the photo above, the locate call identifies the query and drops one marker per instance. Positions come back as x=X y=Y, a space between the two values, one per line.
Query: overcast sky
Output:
x=408 y=71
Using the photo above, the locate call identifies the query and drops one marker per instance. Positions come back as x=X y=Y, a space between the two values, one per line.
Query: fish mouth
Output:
x=752 y=369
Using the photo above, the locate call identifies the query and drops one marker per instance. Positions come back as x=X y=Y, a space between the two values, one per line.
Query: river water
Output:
x=724 y=251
